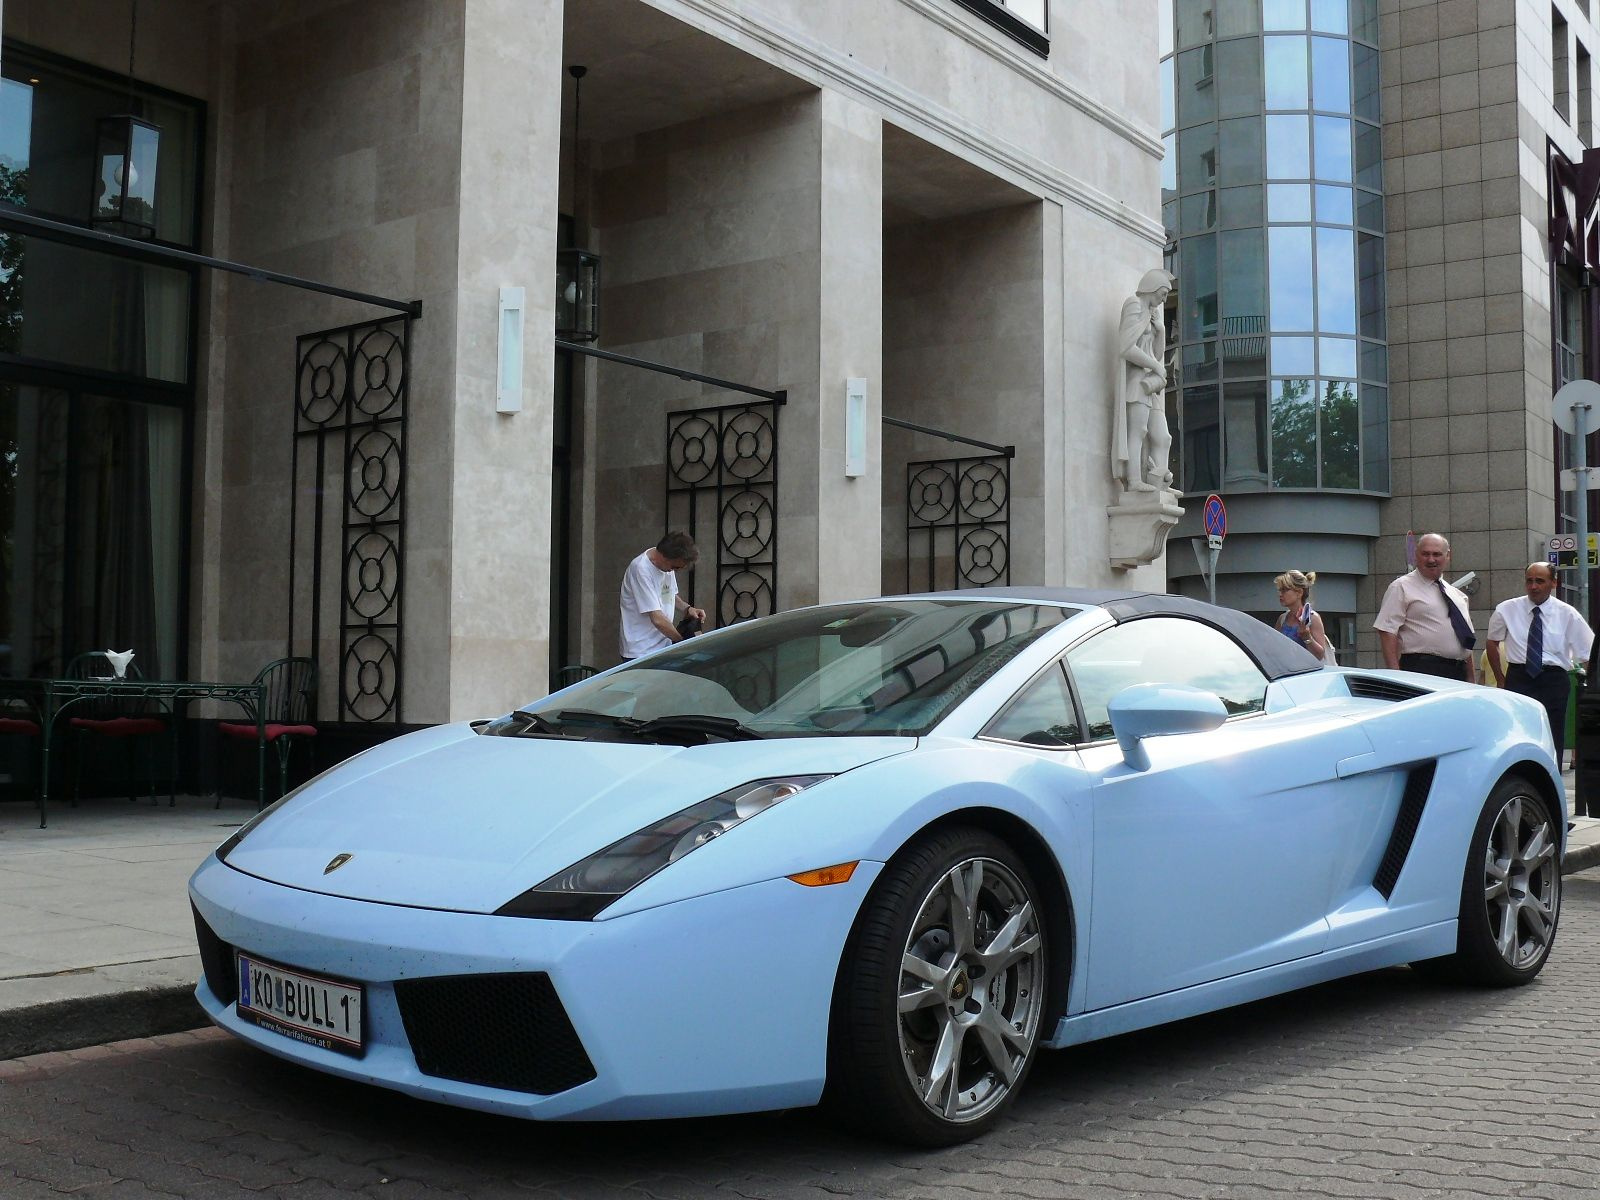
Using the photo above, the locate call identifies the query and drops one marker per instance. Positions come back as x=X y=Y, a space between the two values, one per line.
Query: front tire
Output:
x=942 y=992
x=1511 y=892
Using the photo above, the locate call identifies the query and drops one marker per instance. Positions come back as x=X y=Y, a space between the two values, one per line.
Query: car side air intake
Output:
x=1419 y=780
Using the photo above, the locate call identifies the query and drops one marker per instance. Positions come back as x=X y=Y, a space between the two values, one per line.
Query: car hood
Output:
x=467 y=823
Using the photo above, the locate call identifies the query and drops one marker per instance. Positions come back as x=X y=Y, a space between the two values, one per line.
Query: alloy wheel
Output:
x=1521 y=882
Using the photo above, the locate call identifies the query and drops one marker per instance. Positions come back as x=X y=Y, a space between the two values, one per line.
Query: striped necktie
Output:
x=1535 y=662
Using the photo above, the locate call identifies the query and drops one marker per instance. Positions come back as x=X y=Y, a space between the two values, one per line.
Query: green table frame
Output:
x=52 y=697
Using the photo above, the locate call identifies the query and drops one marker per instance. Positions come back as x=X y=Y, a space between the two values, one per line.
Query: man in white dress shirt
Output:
x=1542 y=637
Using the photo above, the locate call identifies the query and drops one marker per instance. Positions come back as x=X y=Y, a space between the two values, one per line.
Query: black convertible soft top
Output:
x=1276 y=655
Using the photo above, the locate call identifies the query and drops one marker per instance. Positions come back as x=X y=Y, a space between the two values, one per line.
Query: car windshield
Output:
x=877 y=667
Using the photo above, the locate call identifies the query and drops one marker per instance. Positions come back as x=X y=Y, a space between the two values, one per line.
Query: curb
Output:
x=79 y=1021
x=1580 y=858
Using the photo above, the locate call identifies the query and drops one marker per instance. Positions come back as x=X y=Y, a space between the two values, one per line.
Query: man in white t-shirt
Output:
x=650 y=600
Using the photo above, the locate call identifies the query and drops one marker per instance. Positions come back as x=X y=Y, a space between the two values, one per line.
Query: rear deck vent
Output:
x=1365 y=687
x=1418 y=783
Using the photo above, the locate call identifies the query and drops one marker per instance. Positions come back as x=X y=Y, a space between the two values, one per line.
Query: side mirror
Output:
x=1156 y=709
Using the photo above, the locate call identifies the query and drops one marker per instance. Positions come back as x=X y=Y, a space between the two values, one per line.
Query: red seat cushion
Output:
x=271 y=732
x=120 y=726
x=19 y=725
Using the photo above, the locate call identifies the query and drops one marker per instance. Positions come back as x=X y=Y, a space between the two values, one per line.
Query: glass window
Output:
x=1288 y=148
x=1373 y=305
x=1294 y=433
x=1197 y=98
x=1169 y=164
x=1199 y=361
x=1199 y=292
x=1239 y=206
x=1341 y=436
x=1197 y=156
x=1288 y=202
x=1199 y=212
x=1368 y=157
x=1245 y=423
x=1285 y=71
x=1330 y=16
x=1294 y=356
x=1168 y=111
x=1283 y=14
x=1043 y=715
x=1162 y=650
x=1337 y=356
x=1364 y=20
x=1239 y=77
x=1290 y=258
x=1201 y=451
x=1332 y=148
x=1169 y=219
x=1235 y=17
x=1330 y=74
x=1239 y=150
x=1375 y=437
x=1336 y=281
x=1196 y=23
x=1244 y=284
x=1364 y=88
x=1369 y=210
x=1335 y=205
x=1375 y=361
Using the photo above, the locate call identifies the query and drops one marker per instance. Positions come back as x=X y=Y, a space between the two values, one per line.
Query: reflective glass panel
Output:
x=1285 y=71
x=1375 y=438
x=1199 y=362
x=1330 y=74
x=1288 y=148
x=1364 y=18
x=1239 y=206
x=1168 y=68
x=1330 y=16
x=1374 y=322
x=1197 y=98
x=1288 y=202
x=1201 y=445
x=1368 y=156
x=1196 y=23
x=1198 y=295
x=1364 y=88
x=1333 y=148
x=1169 y=164
x=1336 y=281
x=1290 y=278
x=1294 y=356
x=1244 y=284
x=1244 y=409
x=1199 y=212
x=1337 y=357
x=1335 y=205
x=1341 y=436
x=1197 y=156
x=1283 y=14
x=1375 y=361
x=1239 y=77
x=1239 y=150
x=1294 y=433
x=1369 y=210
x=1238 y=16
x=1169 y=218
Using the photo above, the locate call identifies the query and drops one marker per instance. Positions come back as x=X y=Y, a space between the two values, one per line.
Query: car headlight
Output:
x=586 y=887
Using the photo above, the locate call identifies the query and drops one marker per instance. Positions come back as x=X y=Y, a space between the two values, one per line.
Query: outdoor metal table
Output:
x=52 y=697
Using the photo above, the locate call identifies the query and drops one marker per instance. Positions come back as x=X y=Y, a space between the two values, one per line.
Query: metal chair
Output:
x=572 y=674
x=111 y=717
x=19 y=717
x=288 y=704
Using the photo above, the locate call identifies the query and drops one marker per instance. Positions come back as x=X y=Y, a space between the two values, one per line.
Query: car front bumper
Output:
x=716 y=1004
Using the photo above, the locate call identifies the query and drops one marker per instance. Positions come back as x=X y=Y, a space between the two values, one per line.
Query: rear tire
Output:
x=942 y=993
x=1510 y=891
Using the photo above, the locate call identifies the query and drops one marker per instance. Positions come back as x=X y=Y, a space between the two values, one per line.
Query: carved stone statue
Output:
x=1141 y=441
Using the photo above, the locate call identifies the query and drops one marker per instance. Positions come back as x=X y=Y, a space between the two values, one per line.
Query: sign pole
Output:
x=1581 y=453
x=1215 y=516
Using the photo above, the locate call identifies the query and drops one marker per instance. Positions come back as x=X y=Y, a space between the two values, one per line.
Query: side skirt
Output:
x=1430 y=941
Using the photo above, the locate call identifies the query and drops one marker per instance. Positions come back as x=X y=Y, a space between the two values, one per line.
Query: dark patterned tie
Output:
x=1535 y=662
x=1464 y=632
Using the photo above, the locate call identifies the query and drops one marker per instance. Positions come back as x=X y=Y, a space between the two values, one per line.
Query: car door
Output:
x=1216 y=859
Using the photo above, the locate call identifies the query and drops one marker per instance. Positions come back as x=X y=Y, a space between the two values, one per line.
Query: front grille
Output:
x=1365 y=687
x=504 y=1031
x=1418 y=783
x=216 y=957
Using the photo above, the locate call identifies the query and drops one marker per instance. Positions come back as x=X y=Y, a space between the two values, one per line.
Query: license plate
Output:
x=309 y=1008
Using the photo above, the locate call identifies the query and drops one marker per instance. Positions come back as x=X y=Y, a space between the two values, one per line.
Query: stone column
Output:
x=499 y=553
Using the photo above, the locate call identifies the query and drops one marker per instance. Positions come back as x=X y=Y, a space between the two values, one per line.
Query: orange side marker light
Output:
x=823 y=876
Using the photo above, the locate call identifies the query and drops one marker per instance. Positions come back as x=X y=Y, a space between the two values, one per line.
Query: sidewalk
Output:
x=96 y=938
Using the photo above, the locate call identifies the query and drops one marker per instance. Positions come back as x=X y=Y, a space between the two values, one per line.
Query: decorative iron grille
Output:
x=958 y=522
x=350 y=434
x=722 y=488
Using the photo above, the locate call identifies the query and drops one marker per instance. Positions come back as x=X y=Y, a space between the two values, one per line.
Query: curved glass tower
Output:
x=1273 y=204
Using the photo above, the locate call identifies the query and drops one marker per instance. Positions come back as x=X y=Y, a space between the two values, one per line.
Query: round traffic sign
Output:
x=1216 y=517
x=1576 y=407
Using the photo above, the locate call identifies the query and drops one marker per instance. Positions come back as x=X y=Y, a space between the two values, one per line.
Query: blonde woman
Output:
x=1299 y=622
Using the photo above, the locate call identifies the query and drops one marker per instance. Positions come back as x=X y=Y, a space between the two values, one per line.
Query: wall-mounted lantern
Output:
x=577 y=269
x=125 y=156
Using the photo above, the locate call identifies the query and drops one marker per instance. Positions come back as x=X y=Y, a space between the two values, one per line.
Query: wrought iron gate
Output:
x=350 y=405
x=958 y=521
x=722 y=488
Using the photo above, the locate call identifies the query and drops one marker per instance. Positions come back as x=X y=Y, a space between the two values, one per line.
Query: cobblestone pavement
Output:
x=1381 y=1086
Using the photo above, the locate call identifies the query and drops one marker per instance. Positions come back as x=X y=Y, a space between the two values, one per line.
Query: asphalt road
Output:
x=1381 y=1086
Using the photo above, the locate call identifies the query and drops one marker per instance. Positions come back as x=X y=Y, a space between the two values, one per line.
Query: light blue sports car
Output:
x=879 y=855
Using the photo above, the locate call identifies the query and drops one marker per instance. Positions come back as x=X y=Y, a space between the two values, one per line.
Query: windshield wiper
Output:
x=521 y=723
x=673 y=727
x=538 y=721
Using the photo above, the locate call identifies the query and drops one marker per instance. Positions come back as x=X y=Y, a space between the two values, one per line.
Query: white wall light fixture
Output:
x=855 y=428
x=508 y=378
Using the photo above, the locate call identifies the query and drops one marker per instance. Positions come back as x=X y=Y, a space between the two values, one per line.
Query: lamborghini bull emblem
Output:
x=334 y=863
